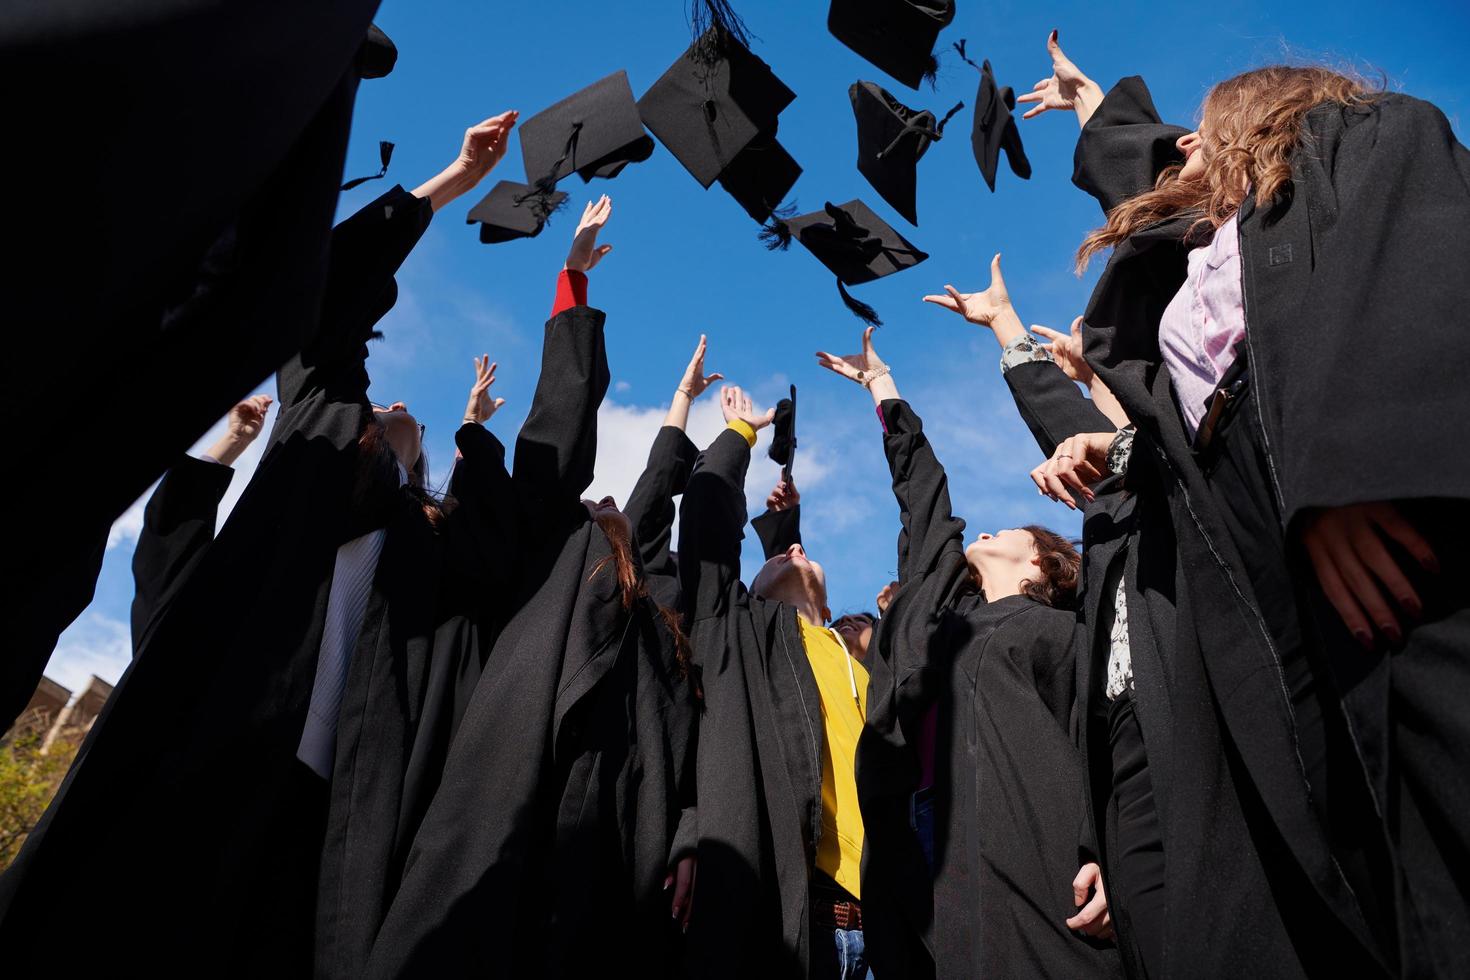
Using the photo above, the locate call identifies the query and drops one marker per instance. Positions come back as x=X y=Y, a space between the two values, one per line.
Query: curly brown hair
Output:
x=1250 y=126
x=1060 y=566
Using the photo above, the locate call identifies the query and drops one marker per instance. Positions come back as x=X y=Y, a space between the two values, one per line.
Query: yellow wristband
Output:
x=743 y=427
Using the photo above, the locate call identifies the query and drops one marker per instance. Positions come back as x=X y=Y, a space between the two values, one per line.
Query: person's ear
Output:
x=826 y=615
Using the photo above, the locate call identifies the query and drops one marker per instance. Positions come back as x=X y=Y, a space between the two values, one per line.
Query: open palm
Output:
x=1060 y=90
x=982 y=307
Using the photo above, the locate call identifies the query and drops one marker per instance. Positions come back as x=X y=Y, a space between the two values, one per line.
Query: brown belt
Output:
x=837 y=915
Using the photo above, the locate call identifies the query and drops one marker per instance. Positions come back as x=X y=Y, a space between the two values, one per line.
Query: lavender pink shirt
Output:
x=1203 y=322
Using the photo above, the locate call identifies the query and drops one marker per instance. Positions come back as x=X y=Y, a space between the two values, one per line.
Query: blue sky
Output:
x=687 y=261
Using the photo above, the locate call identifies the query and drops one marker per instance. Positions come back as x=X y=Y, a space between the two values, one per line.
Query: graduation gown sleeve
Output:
x=932 y=537
x=650 y=508
x=778 y=530
x=710 y=529
x=178 y=528
x=1124 y=146
x=367 y=250
x=557 y=444
x=1377 y=263
x=1051 y=404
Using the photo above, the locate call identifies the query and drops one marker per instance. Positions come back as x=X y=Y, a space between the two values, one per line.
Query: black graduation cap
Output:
x=595 y=132
x=760 y=177
x=513 y=210
x=856 y=244
x=712 y=103
x=896 y=35
x=385 y=154
x=377 y=54
x=891 y=139
x=995 y=128
x=783 y=435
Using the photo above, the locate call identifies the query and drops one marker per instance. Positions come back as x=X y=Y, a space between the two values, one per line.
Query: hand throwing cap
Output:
x=513 y=210
x=995 y=128
x=595 y=133
x=891 y=138
x=896 y=35
x=712 y=103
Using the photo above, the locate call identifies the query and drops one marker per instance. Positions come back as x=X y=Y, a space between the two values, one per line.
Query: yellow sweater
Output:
x=841 y=848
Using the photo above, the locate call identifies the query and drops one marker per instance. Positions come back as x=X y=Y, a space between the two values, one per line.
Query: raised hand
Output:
x=585 y=252
x=784 y=496
x=242 y=425
x=484 y=145
x=695 y=381
x=481 y=406
x=984 y=308
x=867 y=369
x=1347 y=546
x=1066 y=350
x=1067 y=88
x=736 y=404
x=1077 y=463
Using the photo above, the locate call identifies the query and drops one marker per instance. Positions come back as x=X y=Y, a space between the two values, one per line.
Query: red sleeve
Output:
x=881 y=420
x=571 y=290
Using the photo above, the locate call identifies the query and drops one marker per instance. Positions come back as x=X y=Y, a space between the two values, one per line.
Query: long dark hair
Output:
x=374 y=451
x=1060 y=566
x=633 y=587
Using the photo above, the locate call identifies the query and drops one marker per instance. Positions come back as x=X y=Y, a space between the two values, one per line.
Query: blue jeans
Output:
x=921 y=820
x=852 y=964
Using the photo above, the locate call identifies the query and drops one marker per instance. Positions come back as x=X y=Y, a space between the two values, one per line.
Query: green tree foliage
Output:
x=29 y=778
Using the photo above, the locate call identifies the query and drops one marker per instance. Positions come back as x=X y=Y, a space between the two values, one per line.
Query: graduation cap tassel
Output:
x=385 y=153
x=775 y=234
x=960 y=47
x=859 y=309
x=931 y=72
x=717 y=13
x=947 y=117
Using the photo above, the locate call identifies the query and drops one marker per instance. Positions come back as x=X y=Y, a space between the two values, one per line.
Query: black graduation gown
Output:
x=1055 y=409
x=1009 y=780
x=778 y=530
x=650 y=511
x=760 y=743
x=1387 y=174
x=178 y=528
x=194 y=289
x=567 y=756
x=184 y=786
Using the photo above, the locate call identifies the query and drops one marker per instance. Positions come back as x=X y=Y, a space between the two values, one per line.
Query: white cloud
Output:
x=94 y=644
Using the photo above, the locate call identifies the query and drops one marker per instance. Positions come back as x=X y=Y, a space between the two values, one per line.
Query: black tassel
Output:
x=718 y=13
x=931 y=72
x=859 y=309
x=775 y=234
x=385 y=153
x=960 y=47
x=947 y=117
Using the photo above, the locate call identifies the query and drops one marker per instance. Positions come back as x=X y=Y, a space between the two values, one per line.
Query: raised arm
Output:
x=1039 y=375
x=481 y=527
x=179 y=520
x=650 y=508
x=557 y=445
x=930 y=529
x=779 y=527
x=367 y=251
x=712 y=518
x=1124 y=146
